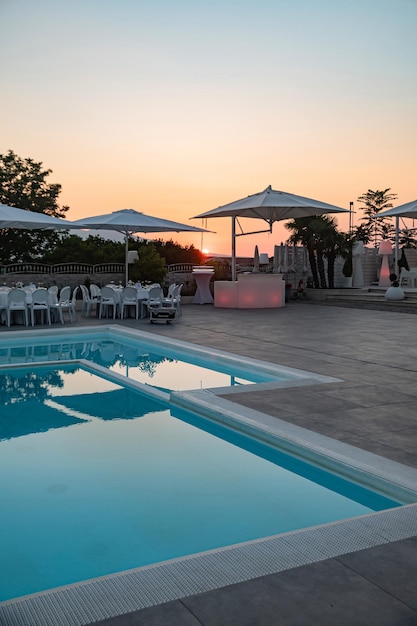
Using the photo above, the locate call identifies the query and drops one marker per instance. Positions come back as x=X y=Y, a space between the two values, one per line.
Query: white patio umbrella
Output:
x=270 y=206
x=13 y=217
x=129 y=222
x=404 y=210
x=409 y=209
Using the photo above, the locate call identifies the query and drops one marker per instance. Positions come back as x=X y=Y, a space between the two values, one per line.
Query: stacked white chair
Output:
x=160 y=308
x=73 y=305
x=176 y=298
x=87 y=301
x=63 y=304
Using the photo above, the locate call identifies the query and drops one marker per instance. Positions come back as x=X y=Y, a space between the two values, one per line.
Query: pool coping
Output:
x=123 y=592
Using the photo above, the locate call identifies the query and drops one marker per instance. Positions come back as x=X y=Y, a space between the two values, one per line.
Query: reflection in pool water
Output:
x=96 y=478
x=139 y=361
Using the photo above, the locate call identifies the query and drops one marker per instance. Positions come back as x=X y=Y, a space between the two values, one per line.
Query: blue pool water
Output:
x=96 y=478
x=152 y=364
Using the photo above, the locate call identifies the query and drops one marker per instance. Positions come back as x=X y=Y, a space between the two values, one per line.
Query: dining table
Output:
x=142 y=296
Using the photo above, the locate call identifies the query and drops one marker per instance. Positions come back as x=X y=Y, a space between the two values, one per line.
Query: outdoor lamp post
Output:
x=385 y=249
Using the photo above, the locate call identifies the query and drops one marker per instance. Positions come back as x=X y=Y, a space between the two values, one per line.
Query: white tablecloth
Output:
x=143 y=293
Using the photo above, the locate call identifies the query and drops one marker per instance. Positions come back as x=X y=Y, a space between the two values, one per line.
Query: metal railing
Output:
x=62 y=268
x=82 y=268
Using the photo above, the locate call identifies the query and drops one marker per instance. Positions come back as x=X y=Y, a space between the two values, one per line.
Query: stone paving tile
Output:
x=322 y=594
x=377 y=447
x=371 y=395
x=384 y=567
x=169 y=614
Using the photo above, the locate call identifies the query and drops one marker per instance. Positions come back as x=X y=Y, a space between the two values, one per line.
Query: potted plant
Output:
x=347 y=271
x=394 y=292
x=346 y=248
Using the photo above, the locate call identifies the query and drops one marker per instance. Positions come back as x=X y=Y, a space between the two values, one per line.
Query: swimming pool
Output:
x=100 y=482
x=211 y=567
x=164 y=364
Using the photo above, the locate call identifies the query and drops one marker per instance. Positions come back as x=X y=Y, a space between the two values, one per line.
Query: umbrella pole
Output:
x=233 y=248
x=397 y=242
x=126 y=259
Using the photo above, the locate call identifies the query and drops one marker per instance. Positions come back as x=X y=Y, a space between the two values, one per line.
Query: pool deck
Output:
x=374 y=353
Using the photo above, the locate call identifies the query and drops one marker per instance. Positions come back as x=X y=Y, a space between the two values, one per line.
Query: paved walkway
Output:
x=374 y=408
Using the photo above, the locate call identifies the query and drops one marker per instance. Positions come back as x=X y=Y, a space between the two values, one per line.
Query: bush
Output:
x=149 y=268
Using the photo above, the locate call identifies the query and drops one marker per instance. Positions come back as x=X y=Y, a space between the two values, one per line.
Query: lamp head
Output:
x=385 y=247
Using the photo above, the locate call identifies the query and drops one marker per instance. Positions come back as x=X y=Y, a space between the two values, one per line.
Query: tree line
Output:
x=24 y=184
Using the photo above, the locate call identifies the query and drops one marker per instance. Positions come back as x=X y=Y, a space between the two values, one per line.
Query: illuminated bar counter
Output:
x=250 y=291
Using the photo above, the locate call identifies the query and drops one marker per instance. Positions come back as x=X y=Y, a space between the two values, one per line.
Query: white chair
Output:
x=160 y=308
x=87 y=301
x=95 y=293
x=40 y=302
x=53 y=294
x=408 y=278
x=63 y=304
x=108 y=298
x=171 y=289
x=174 y=297
x=73 y=305
x=16 y=301
x=156 y=295
x=129 y=297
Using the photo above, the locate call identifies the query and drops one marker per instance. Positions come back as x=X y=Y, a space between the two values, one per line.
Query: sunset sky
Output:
x=174 y=107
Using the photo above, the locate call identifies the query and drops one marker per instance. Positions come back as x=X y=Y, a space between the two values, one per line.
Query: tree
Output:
x=174 y=253
x=407 y=238
x=150 y=268
x=93 y=250
x=375 y=202
x=345 y=246
x=303 y=233
x=23 y=184
x=319 y=235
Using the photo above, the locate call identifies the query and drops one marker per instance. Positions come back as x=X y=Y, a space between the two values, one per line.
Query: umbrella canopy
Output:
x=13 y=217
x=129 y=221
x=271 y=206
x=404 y=210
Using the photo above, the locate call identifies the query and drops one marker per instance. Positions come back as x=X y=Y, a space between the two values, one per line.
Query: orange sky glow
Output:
x=174 y=108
